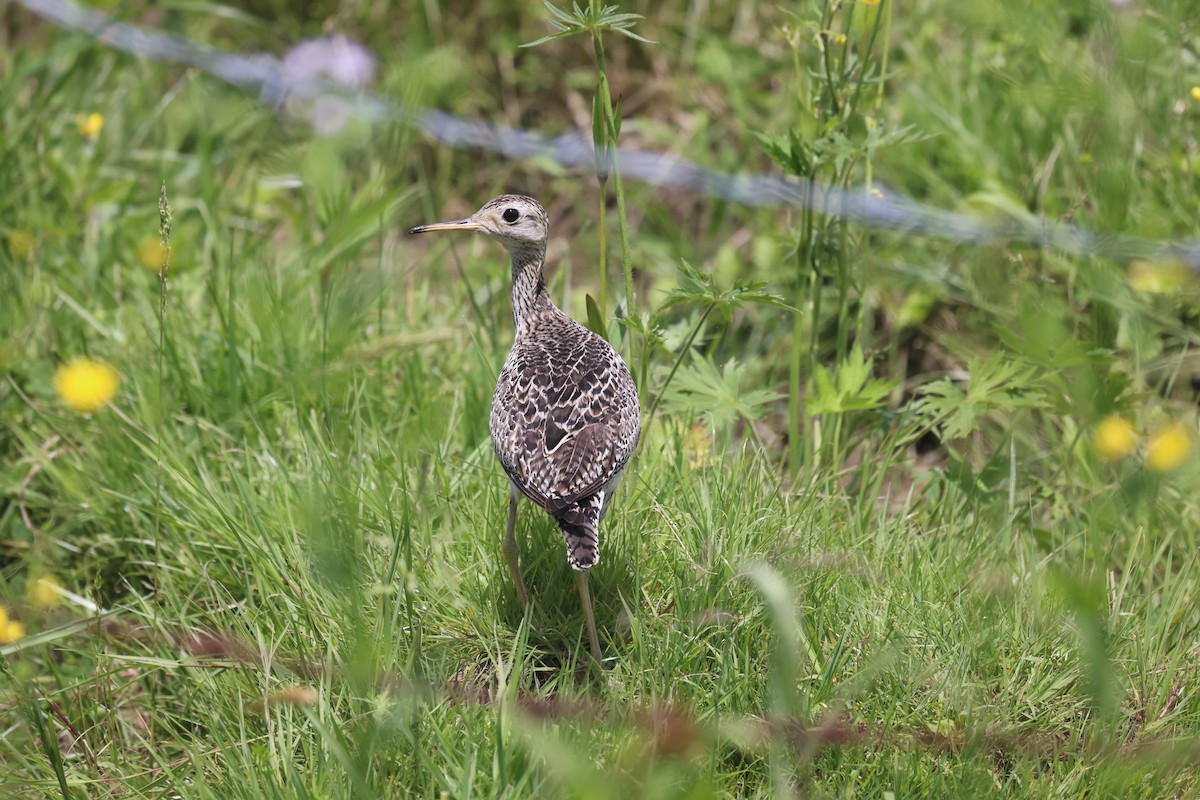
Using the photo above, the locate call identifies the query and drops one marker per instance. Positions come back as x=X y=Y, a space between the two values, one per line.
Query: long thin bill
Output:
x=454 y=225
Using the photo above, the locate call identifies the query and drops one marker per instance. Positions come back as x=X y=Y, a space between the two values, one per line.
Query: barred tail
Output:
x=579 y=523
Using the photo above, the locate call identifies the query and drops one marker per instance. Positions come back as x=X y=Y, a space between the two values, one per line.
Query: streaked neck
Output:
x=528 y=285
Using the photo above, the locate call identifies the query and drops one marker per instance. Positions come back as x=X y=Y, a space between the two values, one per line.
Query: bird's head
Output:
x=516 y=221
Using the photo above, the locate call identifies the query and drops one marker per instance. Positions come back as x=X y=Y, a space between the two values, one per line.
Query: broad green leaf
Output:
x=702 y=388
x=852 y=389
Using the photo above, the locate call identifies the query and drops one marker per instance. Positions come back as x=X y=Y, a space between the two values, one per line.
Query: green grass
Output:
x=291 y=515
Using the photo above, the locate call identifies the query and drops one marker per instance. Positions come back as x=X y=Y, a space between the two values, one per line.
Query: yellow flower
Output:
x=90 y=125
x=13 y=632
x=1158 y=277
x=1196 y=93
x=1168 y=448
x=839 y=39
x=869 y=2
x=45 y=592
x=698 y=446
x=85 y=384
x=151 y=253
x=20 y=244
x=1114 y=438
x=10 y=630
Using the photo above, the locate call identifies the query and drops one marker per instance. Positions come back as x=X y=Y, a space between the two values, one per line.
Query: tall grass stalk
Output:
x=606 y=125
x=165 y=219
x=609 y=126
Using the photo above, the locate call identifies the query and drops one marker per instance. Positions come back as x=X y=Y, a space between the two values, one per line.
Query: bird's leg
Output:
x=581 y=580
x=512 y=551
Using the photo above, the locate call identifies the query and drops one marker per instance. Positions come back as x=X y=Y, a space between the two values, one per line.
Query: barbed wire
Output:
x=277 y=83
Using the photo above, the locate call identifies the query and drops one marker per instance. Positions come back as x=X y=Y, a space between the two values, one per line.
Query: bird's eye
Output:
x=511 y=215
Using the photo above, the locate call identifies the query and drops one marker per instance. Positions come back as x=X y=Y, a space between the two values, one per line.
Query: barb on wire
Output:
x=276 y=83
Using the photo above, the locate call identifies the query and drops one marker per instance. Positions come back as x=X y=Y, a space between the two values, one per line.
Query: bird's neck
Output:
x=528 y=285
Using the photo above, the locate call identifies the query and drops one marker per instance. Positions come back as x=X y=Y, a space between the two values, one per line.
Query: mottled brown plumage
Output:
x=565 y=416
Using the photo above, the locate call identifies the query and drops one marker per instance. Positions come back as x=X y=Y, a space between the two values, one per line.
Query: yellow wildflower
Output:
x=869 y=2
x=1114 y=438
x=839 y=39
x=1168 y=448
x=1158 y=277
x=151 y=253
x=85 y=384
x=10 y=630
x=698 y=446
x=1196 y=93
x=45 y=592
x=20 y=244
x=90 y=125
x=13 y=632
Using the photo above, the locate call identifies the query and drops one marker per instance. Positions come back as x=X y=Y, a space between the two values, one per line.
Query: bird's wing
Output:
x=563 y=424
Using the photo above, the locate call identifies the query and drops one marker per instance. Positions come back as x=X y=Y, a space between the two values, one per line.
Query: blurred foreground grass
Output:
x=268 y=566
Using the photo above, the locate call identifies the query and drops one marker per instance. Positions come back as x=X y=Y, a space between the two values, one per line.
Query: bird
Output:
x=565 y=417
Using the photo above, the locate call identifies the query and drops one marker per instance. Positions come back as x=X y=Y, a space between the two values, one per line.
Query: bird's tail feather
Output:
x=579 y=523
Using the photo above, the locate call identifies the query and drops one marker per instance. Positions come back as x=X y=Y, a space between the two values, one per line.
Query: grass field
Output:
x=911 y=517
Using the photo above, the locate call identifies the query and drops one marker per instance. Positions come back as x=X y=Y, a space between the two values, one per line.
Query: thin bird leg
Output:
x=581 y=580
x=512 y=551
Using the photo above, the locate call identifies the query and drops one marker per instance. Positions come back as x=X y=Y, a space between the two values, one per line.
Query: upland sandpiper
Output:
x=565 y=413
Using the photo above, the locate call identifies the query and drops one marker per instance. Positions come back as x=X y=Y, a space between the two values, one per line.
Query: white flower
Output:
x=335 y=60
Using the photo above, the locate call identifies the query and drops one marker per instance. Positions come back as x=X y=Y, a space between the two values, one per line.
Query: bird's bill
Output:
x=454 y=225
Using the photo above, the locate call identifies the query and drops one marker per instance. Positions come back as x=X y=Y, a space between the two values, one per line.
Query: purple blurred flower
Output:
x=333 y=59
x=336 y=58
